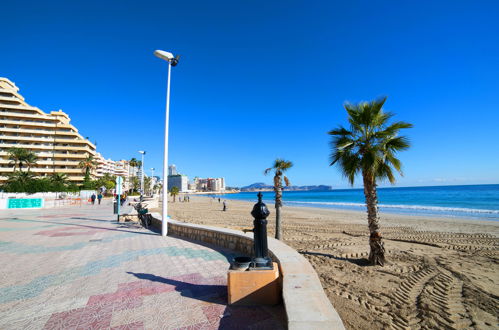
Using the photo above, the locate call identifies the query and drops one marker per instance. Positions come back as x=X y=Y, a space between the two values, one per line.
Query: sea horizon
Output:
x=479 y=201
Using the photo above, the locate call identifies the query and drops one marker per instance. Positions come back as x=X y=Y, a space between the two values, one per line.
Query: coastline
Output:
x=460 y=257
x=417 y=222
x=465 y=202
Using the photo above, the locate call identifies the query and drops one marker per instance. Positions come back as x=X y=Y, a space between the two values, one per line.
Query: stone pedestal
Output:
x=255 y=287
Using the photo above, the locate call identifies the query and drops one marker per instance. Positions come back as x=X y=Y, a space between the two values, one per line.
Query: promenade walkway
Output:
x=77 y=268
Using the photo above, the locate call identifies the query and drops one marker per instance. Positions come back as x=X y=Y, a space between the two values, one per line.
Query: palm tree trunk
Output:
x=278 y=204
x=278 y=231
x=377 y=253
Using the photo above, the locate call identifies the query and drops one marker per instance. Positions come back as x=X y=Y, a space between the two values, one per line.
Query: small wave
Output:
x=407 y=207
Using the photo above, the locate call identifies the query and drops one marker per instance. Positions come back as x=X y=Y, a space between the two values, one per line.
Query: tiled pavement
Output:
x=77 y=268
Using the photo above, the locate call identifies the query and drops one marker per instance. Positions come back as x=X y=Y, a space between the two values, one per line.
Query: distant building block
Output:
x=254 y=287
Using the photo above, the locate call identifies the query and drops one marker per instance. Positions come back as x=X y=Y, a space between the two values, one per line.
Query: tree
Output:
x=17 y=155
x=280 y=166
x=87 y=165
x=147 y=184
x=20 y=182
x=135 y=183
x=133 y=162
x=30 y=159
x=59 y=181
x=369 y=148
x=174 y=192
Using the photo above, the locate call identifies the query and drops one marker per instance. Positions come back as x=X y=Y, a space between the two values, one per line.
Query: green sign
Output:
x=24 y=203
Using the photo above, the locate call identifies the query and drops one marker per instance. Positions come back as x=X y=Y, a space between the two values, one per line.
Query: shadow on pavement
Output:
x=227 y=317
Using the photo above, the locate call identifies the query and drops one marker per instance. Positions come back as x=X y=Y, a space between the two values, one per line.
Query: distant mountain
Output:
x=257 y=186
x=260 y=186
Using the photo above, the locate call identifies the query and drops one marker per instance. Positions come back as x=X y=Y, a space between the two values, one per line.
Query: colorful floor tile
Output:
x=77 y=268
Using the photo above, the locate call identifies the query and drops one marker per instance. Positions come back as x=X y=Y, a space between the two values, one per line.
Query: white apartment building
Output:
x=57 y=144
x=180 y=181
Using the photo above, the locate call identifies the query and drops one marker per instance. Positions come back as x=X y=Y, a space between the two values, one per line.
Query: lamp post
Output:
x=172 y=61
x=142 y=173
x=152 y=179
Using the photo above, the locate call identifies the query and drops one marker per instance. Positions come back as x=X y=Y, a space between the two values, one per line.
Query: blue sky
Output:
x=265 y=79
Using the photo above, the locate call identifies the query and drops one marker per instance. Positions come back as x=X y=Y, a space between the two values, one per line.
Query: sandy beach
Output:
x=441 y=273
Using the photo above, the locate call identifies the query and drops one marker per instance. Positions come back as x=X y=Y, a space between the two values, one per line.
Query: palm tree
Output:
x=17 y=155
x=59 y=178
x=369 y=148
x=133 y=162
x=174 y=192
x=135 y=183
x=87 y=165
x=280 y=166
x=147 y=184
x=30 y=159
x=20 y=180
x=59 y=181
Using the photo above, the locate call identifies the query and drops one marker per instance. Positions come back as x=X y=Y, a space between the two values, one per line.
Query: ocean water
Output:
x=470 y=201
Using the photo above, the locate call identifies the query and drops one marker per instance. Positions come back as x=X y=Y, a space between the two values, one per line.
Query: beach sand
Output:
x=441 y=273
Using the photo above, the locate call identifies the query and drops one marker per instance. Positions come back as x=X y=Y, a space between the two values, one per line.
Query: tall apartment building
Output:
x=51 y=137
x=172 y=170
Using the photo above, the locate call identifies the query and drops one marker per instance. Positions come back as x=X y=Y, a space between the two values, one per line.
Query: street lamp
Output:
x=142 y=173
x=172 y=61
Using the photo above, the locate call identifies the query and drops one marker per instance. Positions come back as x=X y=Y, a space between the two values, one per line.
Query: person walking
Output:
x=99 y=197
x=225 y=206
x=92 y=198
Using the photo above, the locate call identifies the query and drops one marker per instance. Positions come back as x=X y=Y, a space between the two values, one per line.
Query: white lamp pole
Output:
x=142 y=174
x=172 y=61
x=152 y=180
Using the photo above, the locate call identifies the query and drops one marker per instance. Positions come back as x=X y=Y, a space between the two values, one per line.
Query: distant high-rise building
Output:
x=172 y=170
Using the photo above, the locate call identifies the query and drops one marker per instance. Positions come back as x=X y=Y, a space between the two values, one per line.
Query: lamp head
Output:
x=167 y=56
x=142 y=152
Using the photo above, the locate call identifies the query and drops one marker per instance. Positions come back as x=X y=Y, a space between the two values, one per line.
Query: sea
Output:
x=467 y=201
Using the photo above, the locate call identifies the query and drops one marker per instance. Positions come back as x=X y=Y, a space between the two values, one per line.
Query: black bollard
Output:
x=260 y=213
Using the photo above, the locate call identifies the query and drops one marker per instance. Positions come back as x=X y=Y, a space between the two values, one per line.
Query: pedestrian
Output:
x=92 y=198
x=122 y=199
x=99 y=197
x=225 y=206
x=219 y=199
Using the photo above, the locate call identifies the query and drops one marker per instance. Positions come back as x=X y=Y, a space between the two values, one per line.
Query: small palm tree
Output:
x=59 y=178
x=280 y=166
x=59 y=181
x=87 y=165
x=174 y=192
x=369 y=148
x=135 y=182
x=20 y=179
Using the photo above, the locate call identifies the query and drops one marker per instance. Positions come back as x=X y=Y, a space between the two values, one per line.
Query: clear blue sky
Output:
x=264 y=79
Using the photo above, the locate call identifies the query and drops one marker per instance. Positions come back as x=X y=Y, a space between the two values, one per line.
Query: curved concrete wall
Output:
x=306 y=304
